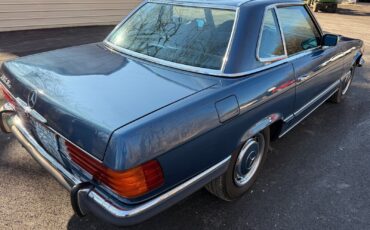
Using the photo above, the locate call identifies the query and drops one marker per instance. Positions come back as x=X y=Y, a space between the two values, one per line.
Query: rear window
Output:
x=193 y=36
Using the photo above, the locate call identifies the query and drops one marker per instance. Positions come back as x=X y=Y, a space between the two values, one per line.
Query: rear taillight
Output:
x=129 y=184
x=7 y=95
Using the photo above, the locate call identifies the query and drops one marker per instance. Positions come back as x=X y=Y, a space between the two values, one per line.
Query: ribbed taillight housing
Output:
x=7 y=95
x=130 y=183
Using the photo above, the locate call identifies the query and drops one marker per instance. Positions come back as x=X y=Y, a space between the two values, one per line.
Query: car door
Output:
x=316 y=69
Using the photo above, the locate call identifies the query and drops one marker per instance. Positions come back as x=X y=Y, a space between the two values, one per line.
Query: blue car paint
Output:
x=317 y=73
x=190 y=134
x=89 y=91
x=176 y=117
x=243 y=49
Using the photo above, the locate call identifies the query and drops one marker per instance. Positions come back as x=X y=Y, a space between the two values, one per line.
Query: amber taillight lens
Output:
x=7 y=95
x=130 y=183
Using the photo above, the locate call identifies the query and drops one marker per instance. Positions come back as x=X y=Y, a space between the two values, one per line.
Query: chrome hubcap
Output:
x=347 y=82
x=249 y=159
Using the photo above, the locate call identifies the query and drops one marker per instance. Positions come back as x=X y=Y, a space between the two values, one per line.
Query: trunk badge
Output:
x=32 y=99
x=6 y=81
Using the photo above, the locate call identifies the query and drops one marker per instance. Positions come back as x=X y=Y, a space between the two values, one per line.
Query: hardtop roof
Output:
x=221 y=3
x=230 y=3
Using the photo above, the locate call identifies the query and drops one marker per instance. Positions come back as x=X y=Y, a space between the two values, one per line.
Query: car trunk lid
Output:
x=87 y=92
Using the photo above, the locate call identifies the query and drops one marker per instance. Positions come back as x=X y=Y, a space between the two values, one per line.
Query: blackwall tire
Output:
x=343 y=88
x=245 y=165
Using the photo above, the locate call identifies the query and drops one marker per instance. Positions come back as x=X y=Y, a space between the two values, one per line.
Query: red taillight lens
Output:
x=7 y=95
x=130 y=183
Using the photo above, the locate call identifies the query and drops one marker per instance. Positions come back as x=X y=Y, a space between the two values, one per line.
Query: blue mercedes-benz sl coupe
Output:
x=182 y=94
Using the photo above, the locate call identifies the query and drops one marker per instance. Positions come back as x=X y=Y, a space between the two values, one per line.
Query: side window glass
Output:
x=299 y=30
x=271 y=44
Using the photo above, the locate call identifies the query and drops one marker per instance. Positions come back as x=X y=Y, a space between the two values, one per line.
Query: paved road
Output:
x=316 y=177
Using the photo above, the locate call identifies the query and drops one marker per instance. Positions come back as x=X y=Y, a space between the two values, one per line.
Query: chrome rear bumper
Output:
x=88 y=199
x=13 y=124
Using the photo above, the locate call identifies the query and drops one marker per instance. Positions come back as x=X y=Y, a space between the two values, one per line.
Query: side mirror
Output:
x=330 y=40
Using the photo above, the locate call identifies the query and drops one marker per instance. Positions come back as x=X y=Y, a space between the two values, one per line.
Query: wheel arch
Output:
x=356 y=59
x=273 y=121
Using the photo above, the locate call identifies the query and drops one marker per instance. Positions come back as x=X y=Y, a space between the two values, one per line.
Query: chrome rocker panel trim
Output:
x=90 y=200
x=311 y=103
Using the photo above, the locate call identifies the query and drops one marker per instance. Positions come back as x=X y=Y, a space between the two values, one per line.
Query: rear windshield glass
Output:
x=186 y=35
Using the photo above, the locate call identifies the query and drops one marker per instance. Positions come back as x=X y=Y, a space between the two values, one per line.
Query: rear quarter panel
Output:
x=352 y=50
x=188 y=137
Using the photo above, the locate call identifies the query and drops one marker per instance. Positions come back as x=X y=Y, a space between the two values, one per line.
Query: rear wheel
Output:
x=344 y=87
x=243 y=169
x=348 y=81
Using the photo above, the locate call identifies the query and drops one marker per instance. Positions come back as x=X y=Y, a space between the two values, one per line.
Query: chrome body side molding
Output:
x=317 y=98
x=325 y=95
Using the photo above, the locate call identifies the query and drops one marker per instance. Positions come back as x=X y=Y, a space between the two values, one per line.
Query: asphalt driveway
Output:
x=316 y=177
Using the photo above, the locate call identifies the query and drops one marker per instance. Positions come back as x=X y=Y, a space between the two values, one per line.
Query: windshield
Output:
x=186 y=35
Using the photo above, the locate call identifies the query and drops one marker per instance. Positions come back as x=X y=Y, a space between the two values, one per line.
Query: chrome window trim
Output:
x=163 y=62
x=240 y=74
x=215 y=72
x=275 y=58
x=256 y=70
x=281 y=30
x=290 y=58
x=269 y=66
x=231 y=41
x=124 y=20
x=315 y=22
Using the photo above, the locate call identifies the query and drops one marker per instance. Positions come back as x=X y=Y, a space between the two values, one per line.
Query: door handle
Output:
x=303 y=78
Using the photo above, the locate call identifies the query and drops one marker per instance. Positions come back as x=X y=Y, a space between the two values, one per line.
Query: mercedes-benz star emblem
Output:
x=32 y=99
